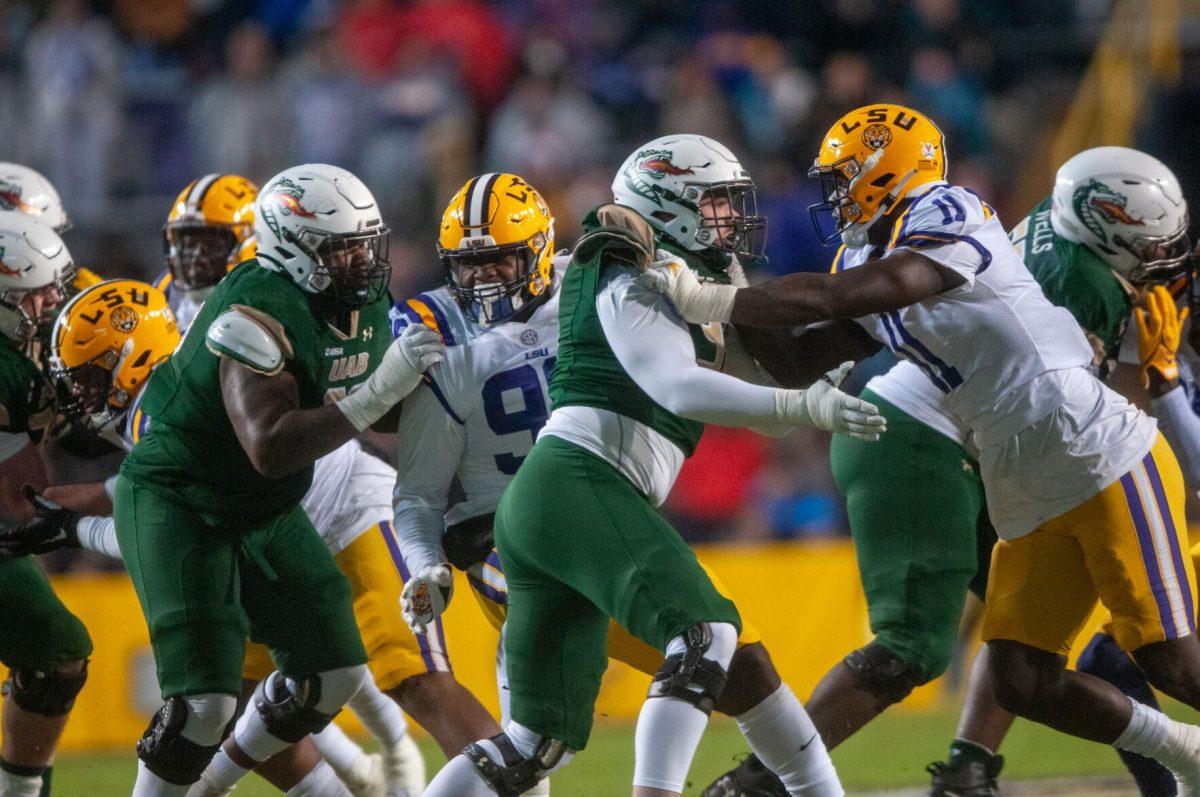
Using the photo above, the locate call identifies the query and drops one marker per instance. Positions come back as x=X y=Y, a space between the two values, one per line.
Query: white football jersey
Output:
x=183 y=304
x=477 y=414
x=1006 y=360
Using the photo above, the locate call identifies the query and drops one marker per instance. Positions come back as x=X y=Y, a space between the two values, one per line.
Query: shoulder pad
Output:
x=250 y=337
x=619 y=232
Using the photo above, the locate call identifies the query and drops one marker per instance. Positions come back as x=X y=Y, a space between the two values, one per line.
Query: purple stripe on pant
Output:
x=1149 y=558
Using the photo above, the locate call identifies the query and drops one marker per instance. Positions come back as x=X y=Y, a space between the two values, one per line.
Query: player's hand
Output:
x=425 y=596
x=415 y=350
x=826 y=407
x=698 y=302
x=1160 y=326
x=52 y=527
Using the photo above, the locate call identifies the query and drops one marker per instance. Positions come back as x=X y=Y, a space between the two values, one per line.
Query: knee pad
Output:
x=884 y=674
x=513 y=773
x=691 y=675
x=50 y=693
x=289 y=707
x=165 y=751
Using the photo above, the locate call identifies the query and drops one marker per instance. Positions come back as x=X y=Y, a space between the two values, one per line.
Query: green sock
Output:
x=963 y=752
x=46 y=782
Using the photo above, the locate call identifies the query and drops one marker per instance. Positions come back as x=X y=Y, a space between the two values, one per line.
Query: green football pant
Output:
x=920 y=528
x=38 y=632
x=204 y=589
x=579 y=545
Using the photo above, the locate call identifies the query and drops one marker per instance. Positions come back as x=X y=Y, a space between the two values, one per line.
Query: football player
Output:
x=44 y=646
x=1114 y=231
x=207 y=505
x=630 y=400
x=1085 y=494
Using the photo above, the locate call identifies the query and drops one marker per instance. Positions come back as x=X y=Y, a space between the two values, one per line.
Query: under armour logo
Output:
x=368 y=332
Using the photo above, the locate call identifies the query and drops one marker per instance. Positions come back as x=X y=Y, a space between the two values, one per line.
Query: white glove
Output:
x=826 y=407
x=426 y=596
x=417 y=348
x=698 y=302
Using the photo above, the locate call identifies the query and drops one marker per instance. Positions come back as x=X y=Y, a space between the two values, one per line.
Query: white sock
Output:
x=668 y=731
x=379 y=714
x=502 y=680
x=1175 y=745
x=321 y=781
x=782 y=735
x=20 y=785
x=337 y=748
x=150 y=785
x=222 y=773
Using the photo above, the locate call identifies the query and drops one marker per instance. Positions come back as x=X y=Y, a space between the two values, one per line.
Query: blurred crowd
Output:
x=121 y=103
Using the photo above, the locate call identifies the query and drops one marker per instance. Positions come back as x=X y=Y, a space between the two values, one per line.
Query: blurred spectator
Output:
x=325 y=98
x=72 y=63
x=712 y=492
x=240 y=121
x=794 y=491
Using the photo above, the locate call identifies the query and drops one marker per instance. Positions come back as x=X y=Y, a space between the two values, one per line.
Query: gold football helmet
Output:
x=104 y=345
x=497 y=245
x=870 y=159
x=210 y=230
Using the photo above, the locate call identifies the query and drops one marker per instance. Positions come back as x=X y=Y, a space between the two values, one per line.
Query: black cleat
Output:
x=748 y=779
x=972 y=779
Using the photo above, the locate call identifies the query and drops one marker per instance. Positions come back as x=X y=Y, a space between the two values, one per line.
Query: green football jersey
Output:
x=26 y=399
x=1074 y=278
x=191 y=451
x=587 y=373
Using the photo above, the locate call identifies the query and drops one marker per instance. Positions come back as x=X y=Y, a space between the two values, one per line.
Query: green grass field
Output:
x=890 y=753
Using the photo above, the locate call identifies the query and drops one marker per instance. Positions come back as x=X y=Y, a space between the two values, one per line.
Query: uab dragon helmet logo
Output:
x=285 y=196
x=1096 y=205
x=10 y=198
x=877 y=136
x=652 y=166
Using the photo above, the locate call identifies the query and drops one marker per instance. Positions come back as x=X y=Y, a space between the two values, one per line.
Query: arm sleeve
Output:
x=940 y=224
x=99 y=534
x=1181 y=427
x=653 y=346
x=429 y=447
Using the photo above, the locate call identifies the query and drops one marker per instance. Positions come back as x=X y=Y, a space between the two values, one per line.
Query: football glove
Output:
x=416 y=349
x=52 y=527
x=698 y=302
x=826 y=407
x=426 y=596
x=1159 y=326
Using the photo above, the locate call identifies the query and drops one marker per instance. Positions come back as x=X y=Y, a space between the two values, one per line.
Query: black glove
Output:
x=52 y=527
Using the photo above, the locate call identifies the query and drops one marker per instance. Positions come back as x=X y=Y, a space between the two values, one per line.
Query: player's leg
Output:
x=1104 y=659
x=46 y=652
x=185 y=574
x=1127 y=540
x=913 y=500
x=298 y=603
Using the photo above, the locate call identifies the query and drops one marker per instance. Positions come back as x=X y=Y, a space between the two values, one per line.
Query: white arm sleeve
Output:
x=653 y=346
x=99 y=534
x=429 y=447
x=1181 y=427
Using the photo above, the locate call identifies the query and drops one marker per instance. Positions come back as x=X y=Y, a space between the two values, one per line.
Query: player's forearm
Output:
x=295 y=439
x=1181 y=427
x=419 y=528
x=90 y=498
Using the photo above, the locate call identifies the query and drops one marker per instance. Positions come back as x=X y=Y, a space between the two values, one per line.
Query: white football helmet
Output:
x=321 y=226
x=1127 y=208
x=32 y=258
x=666 y=180
x=28 y=190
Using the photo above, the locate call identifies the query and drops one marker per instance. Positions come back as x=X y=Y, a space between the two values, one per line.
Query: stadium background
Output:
x=121 y=103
